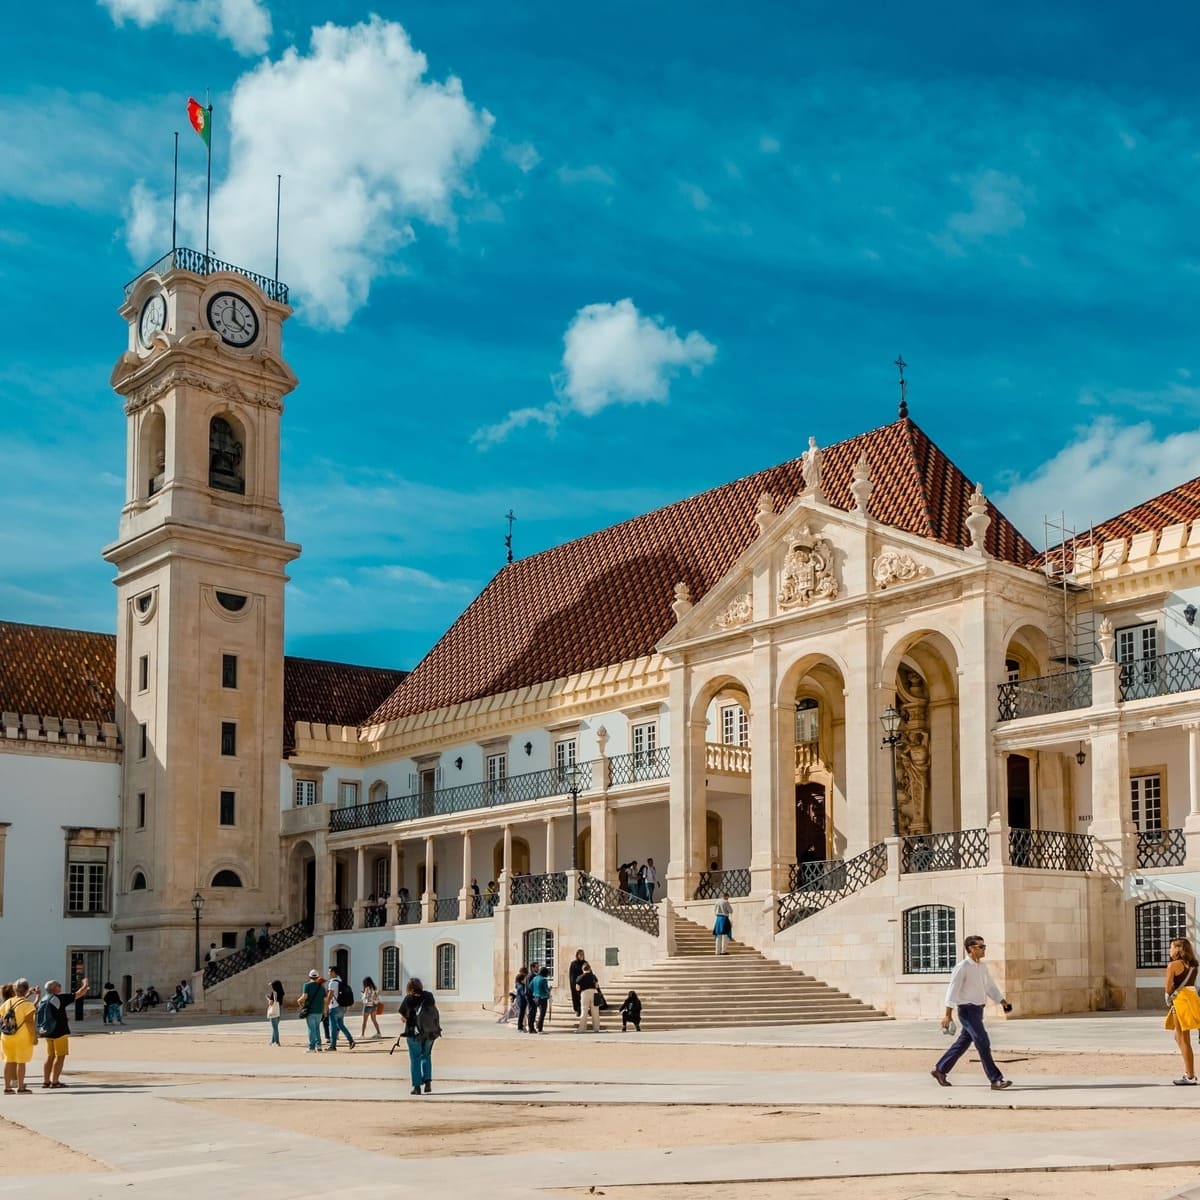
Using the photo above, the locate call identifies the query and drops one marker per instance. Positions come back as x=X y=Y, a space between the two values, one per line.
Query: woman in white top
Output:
x=370 y=1003
x=722 y=925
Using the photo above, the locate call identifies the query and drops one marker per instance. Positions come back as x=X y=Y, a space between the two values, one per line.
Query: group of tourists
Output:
x=529 y=1000
x=639 y=881
x=29 y=1015
x=256 y=945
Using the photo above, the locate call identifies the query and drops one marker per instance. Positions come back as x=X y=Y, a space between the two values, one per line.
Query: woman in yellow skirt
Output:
x=1184 y=1004
x=17 y=1047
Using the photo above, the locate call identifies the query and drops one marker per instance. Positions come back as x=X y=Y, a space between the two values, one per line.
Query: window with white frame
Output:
x=347 y=793
x=808 y=722
x=930 y=944
x=306 y=792
x=539 y=948
x=389 y=969
x=735 y=725
x=565 y=750
x=1012 y=670
x=496 y=773
x=1145 y=795
x=87 y=879
x=1137 y=642
x=446 y=967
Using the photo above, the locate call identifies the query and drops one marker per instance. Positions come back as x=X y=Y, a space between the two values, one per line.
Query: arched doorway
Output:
x=341 y=960
x=520 y=857
x=714 y=847
x=810 y=823
x=583 y=852
x=1020 y=792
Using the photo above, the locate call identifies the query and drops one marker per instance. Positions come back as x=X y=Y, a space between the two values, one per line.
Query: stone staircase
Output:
x=695 y=988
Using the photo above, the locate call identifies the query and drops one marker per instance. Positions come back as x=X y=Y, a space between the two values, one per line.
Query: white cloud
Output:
x=612 y=355
x=997 y=207
x=366 y=145
x=1108 y=468
x=245 y=24
x=523 y=156
x=591 y=173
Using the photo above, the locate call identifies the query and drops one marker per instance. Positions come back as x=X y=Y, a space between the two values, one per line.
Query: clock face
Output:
x=154 y=318
x=233 y=318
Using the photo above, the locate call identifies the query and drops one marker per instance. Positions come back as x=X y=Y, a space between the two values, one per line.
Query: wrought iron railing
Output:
x=445 y=908
x=342 y=918
x=841 y=881
x=184 y=259
x=239 y=960
x=1161 y=848
x=1045 y=694
x=641 y=767
x=633 y=910
x=955 y=850
x=714 y=884
x=1164 y=675
x=408 y=912
x=824 y=869
x=537 y=889
x=375 y=916
x=1050 y=850
x=729 y=760
x=535 y=785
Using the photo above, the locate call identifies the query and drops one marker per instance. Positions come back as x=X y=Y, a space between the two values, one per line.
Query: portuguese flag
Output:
x=201 y=120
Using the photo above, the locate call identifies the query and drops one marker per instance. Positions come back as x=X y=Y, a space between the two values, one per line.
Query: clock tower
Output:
x=201 y=558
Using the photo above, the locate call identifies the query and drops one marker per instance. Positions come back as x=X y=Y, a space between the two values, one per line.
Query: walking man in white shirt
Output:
x=970 y=986
x=651 y=878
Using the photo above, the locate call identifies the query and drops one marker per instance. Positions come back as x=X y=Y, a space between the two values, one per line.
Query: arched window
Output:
x=808 y=722
x=389 y=969
x=138 y=883
x=378 y=791
x=446 y=967
x=539 y=948
x=1156 y=924
x=226 y=879
x=383 y=879
x=153 y=464
x=930 y=944
x=226 y=466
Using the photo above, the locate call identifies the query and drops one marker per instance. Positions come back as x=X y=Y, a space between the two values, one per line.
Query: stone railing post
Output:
x=892 y=846
x=997 y=838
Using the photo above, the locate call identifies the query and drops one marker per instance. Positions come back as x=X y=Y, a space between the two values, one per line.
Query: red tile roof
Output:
x=70 y=673
x=331 y=693
x=57 y=672
x=606 y=598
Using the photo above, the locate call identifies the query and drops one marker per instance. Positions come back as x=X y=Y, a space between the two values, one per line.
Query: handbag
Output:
x=378 y=1007
x=272 y=1010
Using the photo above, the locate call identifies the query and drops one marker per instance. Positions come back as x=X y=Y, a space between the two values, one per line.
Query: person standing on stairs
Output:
x=573 y=973
x=722 y=924
x=587 y=986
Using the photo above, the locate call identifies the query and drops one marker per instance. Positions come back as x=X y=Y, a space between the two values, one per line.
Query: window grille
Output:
x=1156 y=924
x=1145 y=793
x=539 y=948
x=389 y=969
x=930 y=944
x=446 y=972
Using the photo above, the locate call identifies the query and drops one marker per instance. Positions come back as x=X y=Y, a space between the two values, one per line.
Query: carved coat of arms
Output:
x=739 y=610
x=807 y=572
x=890 y=566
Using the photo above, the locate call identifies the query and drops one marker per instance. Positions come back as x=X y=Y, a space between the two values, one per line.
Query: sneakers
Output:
x=940 y=1076
x=429 y=1087
x=998 y=1085
x=1185 y=1081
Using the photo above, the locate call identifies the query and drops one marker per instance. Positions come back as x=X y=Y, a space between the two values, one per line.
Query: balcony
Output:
x=643 y=766
x=199 y=263
x=726 y=760
x=1046 y=694
x=1161 y=848
x=1166 y=675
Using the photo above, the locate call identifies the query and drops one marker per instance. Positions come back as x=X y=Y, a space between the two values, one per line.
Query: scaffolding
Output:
x=1068 y=557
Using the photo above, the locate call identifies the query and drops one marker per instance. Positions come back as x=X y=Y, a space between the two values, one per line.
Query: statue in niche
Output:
x=807 y=573
x=913 y=755
x=224 y=458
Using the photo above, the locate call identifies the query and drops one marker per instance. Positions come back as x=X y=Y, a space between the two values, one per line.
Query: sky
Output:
x=580 y=261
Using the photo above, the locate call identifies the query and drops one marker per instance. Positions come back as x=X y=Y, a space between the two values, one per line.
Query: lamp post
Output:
x=891 y=738
x=574 y=779
x=197 y=905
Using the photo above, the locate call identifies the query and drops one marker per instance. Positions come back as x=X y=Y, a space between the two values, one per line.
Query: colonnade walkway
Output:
x=190 y=1107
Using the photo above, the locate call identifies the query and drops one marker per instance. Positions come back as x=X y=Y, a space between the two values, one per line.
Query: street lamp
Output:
x=197 y=905
x=891 y=738
x=573 y=778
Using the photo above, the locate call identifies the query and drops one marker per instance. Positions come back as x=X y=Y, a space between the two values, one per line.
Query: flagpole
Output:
x=278 y=193
x=175 y=192
x=208 y=180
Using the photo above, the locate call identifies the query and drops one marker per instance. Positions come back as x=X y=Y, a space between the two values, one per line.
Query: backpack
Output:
x=8 y=1023
x=429 y=1023
x=345 y=994
x=46 y=1019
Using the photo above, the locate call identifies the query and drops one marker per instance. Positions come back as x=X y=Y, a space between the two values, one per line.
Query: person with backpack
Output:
x=539 y=998
x=339 y=998
x=54 y=1028
x=112 y=1005
x=422 y=1027
x=18 y=1034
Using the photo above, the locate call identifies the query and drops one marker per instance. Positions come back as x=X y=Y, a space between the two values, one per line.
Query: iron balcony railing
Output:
x=847 y=878
x=1165 y=675
x=553 y=781
x=633 y=910
x=956 y=850
x=537 y=889
x=184 y=259
x=640 y=767
x=409 y=912
x=240 y=960
x=1161 y=848
x=805 y=873
x=714 y=884
x=445 y=909
x=1046 y=694
x=342 y=918
x=375 y=916
x=1050 y=850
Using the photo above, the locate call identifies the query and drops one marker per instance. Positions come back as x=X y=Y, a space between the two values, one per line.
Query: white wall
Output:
x=39 y=795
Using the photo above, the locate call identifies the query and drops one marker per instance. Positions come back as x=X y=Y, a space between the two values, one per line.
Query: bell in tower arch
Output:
x=225 y=466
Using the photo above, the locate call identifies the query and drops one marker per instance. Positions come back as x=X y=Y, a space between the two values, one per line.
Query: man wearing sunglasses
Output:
x=970 y=986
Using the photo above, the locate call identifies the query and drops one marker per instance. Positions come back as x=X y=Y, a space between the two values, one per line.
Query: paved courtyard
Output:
x=186 y=1107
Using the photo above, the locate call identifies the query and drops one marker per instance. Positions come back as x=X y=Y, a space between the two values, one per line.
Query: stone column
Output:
x=394 y=878
x=866 y=817
x=977 y=684
x=604 y=847
x=550 y=847
x=506 y=871
x=326 y=876
x=360 y=887
x=1115 y=848
x=764 y=772
x=1191 y=824
x=687 y=795
x=466 y=897
x=430 y=893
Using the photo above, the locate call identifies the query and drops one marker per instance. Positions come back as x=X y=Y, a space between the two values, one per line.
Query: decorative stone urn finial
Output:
x=601 y=740
x=979 y=519
x=766 y=512
x=862 y=487
x=812 y=470
x=1106 y=640
x=682 y=604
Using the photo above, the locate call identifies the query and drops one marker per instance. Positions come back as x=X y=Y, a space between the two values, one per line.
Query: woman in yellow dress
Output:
x=1184 y=1004
x=17 y=1047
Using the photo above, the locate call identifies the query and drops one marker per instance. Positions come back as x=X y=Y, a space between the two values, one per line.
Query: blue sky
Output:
x=581 y=261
